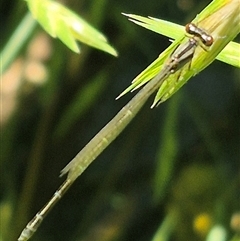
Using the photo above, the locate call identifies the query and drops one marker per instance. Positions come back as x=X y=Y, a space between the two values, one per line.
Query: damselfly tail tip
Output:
x=25 y=235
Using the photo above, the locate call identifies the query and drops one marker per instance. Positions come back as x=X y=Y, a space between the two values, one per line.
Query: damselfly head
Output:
x=206 y=38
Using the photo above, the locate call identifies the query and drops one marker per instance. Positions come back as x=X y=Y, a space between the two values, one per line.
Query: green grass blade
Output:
x=229 y=55
x=16 y=41
x=64 y=24
x=223 y=23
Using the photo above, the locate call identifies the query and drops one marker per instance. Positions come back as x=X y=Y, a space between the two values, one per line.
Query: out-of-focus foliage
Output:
x=63 y=23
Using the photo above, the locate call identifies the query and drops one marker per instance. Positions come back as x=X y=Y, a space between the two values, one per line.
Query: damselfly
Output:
x=181 y=56
x=199 y=37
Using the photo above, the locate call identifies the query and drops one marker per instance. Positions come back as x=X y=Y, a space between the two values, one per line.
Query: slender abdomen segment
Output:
x=113 y=128
x=33 y=225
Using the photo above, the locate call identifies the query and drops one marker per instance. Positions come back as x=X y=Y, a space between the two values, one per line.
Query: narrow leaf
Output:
x=64 y=24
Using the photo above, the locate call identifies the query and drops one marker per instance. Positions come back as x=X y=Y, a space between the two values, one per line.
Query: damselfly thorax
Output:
x=181 y=54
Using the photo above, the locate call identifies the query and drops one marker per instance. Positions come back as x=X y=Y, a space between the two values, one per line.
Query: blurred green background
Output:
x=171 y=175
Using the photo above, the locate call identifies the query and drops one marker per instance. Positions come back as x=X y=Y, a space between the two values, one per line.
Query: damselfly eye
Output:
x=191 y=28
x=207 y=40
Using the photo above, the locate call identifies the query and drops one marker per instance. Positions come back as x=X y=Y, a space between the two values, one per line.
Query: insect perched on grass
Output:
x=181 y=56
x=177 y=60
